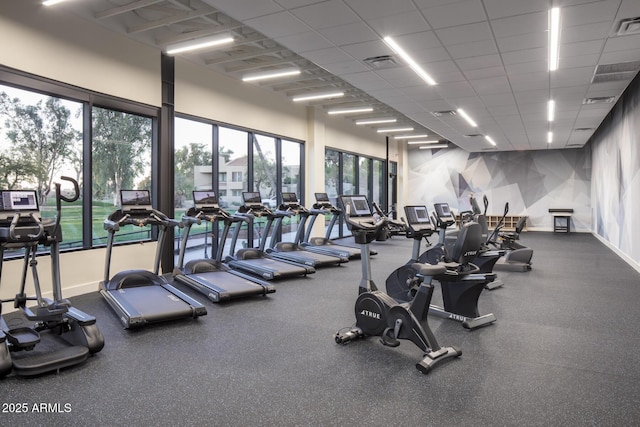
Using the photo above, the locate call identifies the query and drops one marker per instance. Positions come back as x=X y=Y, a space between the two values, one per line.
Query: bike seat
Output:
x=428 y=269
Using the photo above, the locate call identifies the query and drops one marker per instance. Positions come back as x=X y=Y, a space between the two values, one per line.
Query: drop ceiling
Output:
x=488 y=57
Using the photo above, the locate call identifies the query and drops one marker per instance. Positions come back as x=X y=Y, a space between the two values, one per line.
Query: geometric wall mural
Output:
x=531 y=182
x=616 y=171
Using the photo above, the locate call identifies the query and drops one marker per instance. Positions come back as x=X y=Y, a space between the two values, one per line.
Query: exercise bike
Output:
x=57 y=335
x=461 y=282
x=377 y=313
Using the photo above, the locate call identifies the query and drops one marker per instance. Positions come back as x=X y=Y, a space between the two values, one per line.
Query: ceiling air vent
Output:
x=583 y=129
x=599 y=100
x=629 y=26
x=615 y=72
x=443 y=113
x=473 y=135
x=381 y=62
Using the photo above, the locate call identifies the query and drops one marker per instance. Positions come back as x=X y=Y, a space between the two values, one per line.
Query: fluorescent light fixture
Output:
x=554 y=38
x=314 y=96
x=283 y=72
x=51 y=2
x=410 y=136
x=491 y=141
x=551 y=110
x=430 y=147
x=201 y=43
x=549 y=137
x=384 y=130
x=351 y=110
x=430 y=141
x=466 y=117
x=414 y=66
x=374 y=121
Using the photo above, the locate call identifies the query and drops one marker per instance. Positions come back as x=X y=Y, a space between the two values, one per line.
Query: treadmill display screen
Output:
x=203 y=199
x=251 y=198
x=322 y=197
x=289 y=198
x=356 y=205
x=417 y=214
x=135 y=199
x=442 y=210
x=19 y=200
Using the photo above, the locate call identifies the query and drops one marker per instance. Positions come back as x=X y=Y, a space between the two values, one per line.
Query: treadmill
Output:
x=211 y=277
x=257 y=261
x=141 y=297
x=292 y=251
x=325 y=244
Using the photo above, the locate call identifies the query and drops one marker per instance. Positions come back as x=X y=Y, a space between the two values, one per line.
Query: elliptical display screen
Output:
x=19 y=200
x=135 y=199
x=417 y=214
x=356 y=205
x=205 y=199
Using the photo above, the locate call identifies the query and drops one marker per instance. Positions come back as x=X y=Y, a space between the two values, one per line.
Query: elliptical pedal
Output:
x=39 y=363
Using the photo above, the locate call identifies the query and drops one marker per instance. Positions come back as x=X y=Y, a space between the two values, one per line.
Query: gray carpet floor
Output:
x=564 y=351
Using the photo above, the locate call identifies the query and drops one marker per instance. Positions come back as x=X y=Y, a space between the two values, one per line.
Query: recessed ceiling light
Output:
x=431 y=147
x=51 y=2
x=430 y=141
x=314 y=96
x=351 y=110
x=554 y=38
x=375 y=121
x=549 y=137
x=284 y=72
x=491 y=141
x=466 y=117
x=409 y=136
x=409 y=60
x=201 y=43
x=394 y=130
x=551 y=110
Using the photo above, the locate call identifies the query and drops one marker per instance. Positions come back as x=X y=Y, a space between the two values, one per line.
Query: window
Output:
x=41 y=140
x=121 y=160
x=222 y=177
x=236 y=193
x=237 y=176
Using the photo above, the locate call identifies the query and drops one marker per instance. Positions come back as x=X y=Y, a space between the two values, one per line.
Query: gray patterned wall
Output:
x=531 y=181
x=616 y=172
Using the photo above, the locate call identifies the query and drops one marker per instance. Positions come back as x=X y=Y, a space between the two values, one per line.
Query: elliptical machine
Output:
x=71 y=335
x=377 y=313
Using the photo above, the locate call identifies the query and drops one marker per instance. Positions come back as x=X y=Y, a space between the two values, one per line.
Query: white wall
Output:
x=53 y=43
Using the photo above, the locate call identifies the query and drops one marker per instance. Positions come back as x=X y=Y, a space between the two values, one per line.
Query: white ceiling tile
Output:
x=628 y=9
x=401 y=24
x=530 y=81
x=304 y=42
x=327 y=56
x=502 y=8
x=622 y=43
x=482 y=73
x=345 y=67
x=465 y=33
x=289 y=4
x=526 y=67
x=466 y=50
x=614 y=57
x=580 y=48
x=581 y=61
x=579 y=33
x=525 y=55
x=245 y=9
x=502 y=111
x=401 y=77
x=361 y=51
x=491 y=85
x=342 y=35
x=571 y=77
x=531 y=97
x=422 y=94
x=521 y=24
x=455 y=90
x=597 y=11
x=366 y=80
x=326 y=14
x=278 y=25
x=459 y=13
x=477 y=62
x=523 y=41
x=499 y=100
x=368 y=9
